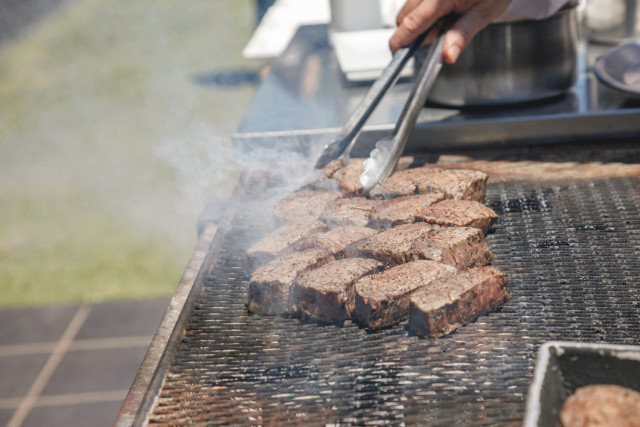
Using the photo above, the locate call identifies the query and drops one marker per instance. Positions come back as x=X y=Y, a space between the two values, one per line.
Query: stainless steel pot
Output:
x=512 y=62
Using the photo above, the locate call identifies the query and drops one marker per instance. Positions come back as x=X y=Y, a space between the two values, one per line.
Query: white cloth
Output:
x=535 y=9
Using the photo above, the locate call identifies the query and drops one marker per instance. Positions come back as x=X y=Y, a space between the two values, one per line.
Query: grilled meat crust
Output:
x=449 y=303
x=280 y=241
x=348 y=211
x=461 y=247
x=458 y=184
x=403 y=210
x=459 y=213
x=335 y=241
x=393 y=246
x=327 y=293
x=382 y=300
x=303 y=205
x=270 y=287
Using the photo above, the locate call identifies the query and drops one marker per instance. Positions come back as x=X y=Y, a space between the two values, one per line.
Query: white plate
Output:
x=620 y=68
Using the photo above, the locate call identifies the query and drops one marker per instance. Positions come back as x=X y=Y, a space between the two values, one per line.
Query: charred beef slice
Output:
x=601 y=405
x=403 y=210
x=303 y=205
x=393 y=246
x=271 y=286
x=348 y=211
x=459 y=213
x=462 y=247
x=279 y=242
x=452 y=302
x=347 y=175
x=458 y=184
x=327 y=293
x=335 y=241
x=382 y=300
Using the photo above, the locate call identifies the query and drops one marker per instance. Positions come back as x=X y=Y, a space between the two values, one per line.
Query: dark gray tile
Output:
x=17 y=373
x=124 y=318
x=101 y=414
x=95 y=370
x=33 y=325
x=5 y=416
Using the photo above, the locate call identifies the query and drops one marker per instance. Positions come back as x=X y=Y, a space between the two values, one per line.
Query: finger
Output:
x=468 y=25
x=416 y=22
x=406 y=9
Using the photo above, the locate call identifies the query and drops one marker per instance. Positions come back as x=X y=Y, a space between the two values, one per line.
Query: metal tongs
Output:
x=384 y=157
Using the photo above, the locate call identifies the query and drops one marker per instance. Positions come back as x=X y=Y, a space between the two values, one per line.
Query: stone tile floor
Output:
x=72 y=365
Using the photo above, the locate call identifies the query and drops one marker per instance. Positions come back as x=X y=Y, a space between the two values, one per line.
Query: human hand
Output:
x=416 y=16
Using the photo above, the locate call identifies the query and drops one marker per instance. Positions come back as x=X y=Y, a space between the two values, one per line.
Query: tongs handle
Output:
x=345 y=140
x=382 y=162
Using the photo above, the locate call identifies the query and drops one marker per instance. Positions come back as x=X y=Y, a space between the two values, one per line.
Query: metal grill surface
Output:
x=570 y=249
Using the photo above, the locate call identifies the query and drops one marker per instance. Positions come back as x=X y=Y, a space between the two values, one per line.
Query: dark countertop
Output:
x=305 y=96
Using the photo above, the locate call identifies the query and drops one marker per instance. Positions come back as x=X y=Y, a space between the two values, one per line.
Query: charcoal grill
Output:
x=568 y=238
x=569 y=244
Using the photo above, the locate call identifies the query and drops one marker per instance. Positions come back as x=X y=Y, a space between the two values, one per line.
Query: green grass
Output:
x=109 y=150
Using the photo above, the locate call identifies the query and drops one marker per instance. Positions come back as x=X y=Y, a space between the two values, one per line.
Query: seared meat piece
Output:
x=460 y=213
x=458 y=184
x=403 y=210
x=303 y=205
x=348 y=175
x=393 y=246
x=601 y=405
x=383 y=299
x=348 y=211
x=279 y=241
x=462 y=247
x=335 y=241
x=327 y=293
x=452 y=302
x=271 y=286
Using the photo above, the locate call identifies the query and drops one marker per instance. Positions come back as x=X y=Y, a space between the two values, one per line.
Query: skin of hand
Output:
x=416 y=16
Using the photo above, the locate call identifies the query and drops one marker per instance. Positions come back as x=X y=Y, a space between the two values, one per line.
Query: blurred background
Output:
x=115 y=124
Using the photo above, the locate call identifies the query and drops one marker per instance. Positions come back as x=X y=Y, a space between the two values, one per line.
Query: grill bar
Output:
x=570 y=249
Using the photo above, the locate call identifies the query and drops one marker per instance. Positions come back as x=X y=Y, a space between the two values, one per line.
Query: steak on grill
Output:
x=347 y=174
x=327 y=293
x=348 y=211
x=303 y=205
x=460 y=213
x=393 y=246
x=462 y=247
x=279 y=242
x=270 y=287
x=382 y=300
x=452 y=302
x=601 y=405
x=335 y=241
x=403 y=210
x=459 y=184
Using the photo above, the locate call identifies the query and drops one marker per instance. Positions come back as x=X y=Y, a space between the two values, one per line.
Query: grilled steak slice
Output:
x=458 y=184
x=335 y=241
x=393 y=246
x=270 y=287
x=460 y=213
x=280 y=241
x=602 y=405
x=347 y=175
x=462 y=247
x=452 y=302
x=403 y=210
x=348 y=211
x=383 y=299
x=327 y=293
x=303 y=205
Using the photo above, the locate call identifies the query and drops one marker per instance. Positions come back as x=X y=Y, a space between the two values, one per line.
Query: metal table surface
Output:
x=306 y=96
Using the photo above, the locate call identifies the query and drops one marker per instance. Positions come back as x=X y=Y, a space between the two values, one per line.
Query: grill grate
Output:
x=571 y=251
